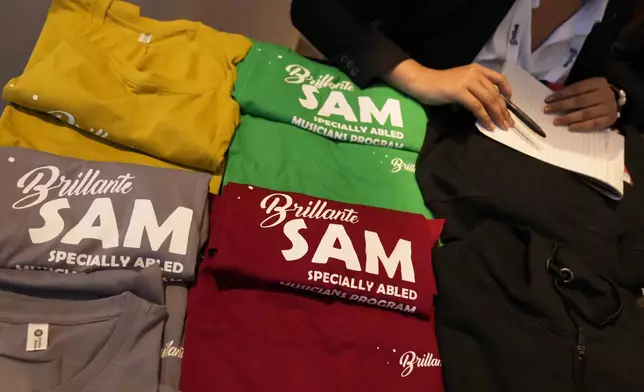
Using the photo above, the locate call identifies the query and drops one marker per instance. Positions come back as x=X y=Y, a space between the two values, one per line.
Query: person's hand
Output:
x=473 y=86
x=588 y=105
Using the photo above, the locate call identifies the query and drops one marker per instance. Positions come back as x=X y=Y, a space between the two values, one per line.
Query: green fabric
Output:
x=277 y=84
x=281 y=157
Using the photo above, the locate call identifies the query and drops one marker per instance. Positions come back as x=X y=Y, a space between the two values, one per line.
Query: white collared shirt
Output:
x=554 y=58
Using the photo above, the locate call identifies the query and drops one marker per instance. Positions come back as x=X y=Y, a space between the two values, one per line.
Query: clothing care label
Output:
x=71 y=216
x=277 y=84
x=145 y=38
x=351 y=252
x=37 y=337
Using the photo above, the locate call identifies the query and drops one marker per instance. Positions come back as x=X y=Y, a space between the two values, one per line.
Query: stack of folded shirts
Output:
x=104 y=83
x=112 y=89
x=78 y=217
x=299 y=292
x=307 y=128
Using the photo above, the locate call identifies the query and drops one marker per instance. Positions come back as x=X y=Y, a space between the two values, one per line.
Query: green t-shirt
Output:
x=277 y=84
x=281 y=157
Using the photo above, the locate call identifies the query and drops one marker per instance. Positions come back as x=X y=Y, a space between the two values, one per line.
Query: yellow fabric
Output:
x=20 y=127
x=162 y=88
x=68 y=17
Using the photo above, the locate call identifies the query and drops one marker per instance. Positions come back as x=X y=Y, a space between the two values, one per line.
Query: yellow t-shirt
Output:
x=162 y=88
x=68 y=17
x=21 y=127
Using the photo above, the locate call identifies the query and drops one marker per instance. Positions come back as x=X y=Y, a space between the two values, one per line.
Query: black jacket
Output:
x=627 y=71
x=365 y=38
x=509 y=321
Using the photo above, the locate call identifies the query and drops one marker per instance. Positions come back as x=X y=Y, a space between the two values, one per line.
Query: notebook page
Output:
x=616 y=164
x=598 y=154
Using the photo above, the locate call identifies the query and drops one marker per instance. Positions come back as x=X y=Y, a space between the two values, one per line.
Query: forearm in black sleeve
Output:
x=630 y=43
x=624 y=76
x=344 y=34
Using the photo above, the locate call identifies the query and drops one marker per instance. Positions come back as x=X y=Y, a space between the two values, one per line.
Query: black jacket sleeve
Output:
x=345 y=32
x=627 y=71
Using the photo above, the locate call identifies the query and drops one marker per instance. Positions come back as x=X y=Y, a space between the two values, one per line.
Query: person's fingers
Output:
x=576 y=102
x=582 y=87
x=500 y=102
x=498 y=80
x=593 y=125
x=489 y=99
x=583 y=115
x=476 y=107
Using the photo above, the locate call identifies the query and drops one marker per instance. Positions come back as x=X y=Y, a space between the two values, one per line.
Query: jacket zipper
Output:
x=580 y=359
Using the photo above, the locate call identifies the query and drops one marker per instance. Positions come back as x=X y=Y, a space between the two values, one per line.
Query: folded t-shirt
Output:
x=359 y=253
x=176 y=302
x=277 y=84
x=162 y=88
x=301 y=293
x=69 y=17
x=279 y=156
x=80 y=332
x=68 y=215
x=21 y=127
x=107 y=283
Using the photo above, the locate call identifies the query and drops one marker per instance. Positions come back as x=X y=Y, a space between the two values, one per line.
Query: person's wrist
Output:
x=620 y=98
x=405 y=75
x=415 y=80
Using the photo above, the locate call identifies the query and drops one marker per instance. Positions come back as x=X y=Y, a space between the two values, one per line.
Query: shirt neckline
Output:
x=135 y=22
x=125 y=307
x=140 y=80
x=156 y=30
x=581 y=22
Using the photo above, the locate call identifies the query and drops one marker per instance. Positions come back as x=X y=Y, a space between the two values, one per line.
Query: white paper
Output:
x=598 y=154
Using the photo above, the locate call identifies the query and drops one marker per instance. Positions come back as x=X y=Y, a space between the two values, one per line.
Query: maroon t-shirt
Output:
x=309 y=294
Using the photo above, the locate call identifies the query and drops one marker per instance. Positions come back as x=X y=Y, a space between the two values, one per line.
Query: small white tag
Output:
x=37 y=337
x=145 y=38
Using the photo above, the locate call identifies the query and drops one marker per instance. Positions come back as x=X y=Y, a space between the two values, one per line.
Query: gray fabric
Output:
x=118 y=216
x=97 y=345
x=176 y=297
x=99 y=284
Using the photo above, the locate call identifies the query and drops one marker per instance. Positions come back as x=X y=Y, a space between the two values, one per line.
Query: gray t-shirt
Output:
x=176 y=302
x=68 y=215
x=56 y=337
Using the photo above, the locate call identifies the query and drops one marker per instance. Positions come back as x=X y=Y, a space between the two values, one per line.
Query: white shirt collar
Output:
x=582 y=22
x=555 y=57
x=596 y=9
x=592 y=12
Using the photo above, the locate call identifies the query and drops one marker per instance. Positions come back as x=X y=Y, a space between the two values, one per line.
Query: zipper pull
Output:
x=581 y=344
x=580 y=360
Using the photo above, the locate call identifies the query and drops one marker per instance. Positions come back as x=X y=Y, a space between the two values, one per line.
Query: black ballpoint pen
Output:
x=534 y=127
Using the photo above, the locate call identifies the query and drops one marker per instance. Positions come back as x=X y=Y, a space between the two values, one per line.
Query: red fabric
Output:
x=249 y=331
x=556 y=86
